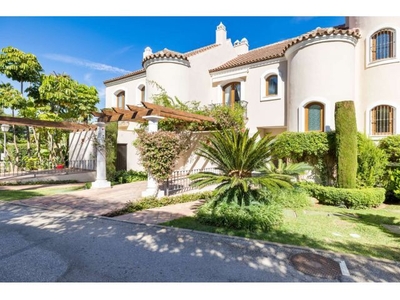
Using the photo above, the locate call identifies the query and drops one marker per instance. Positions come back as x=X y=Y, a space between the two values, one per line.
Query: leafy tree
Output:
x=10 y=97
x=67 y=98
x=19 y=66
x=237 y=156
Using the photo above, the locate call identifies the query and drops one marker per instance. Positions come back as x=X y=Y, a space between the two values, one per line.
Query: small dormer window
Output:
x=143 y=93
x=383 y=44
x=121 y=100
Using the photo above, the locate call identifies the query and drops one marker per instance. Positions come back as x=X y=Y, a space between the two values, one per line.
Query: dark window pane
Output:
x=314 y=117
x=272 y=85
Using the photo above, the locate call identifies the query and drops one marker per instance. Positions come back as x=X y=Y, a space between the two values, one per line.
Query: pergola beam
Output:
x=136 y=113
x=49 y=124
x=177 y=113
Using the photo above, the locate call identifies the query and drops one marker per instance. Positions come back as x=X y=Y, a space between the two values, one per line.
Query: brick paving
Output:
x=92 y=201
x=98 y=202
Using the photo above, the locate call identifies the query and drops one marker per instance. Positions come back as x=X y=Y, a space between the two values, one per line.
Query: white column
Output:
x=101 y=178
x=152 y=185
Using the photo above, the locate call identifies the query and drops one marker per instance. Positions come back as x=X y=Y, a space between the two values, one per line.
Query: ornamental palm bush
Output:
x=237 y=157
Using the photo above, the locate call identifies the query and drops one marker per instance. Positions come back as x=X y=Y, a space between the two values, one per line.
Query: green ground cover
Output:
x=26 y=192
x=342 y=230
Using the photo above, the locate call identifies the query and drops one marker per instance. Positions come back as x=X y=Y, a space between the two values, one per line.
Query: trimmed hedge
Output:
x=350 y=198
x=261 y=217
x=346 y=144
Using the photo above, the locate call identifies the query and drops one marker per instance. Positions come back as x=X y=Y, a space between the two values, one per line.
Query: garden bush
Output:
x=123 y=176
x=261 y=217
x=350 y=198
x=153 y=202
x=391 y=146
x=393 y=185
x=314 y=148
x=291 y=198
x=372 y=162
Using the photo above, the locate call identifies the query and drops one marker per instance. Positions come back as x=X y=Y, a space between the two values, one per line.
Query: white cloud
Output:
x=123 y=50
x=85 y=63
x=88 y=78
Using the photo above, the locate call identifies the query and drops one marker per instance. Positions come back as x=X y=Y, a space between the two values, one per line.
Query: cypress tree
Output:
x=346 y=143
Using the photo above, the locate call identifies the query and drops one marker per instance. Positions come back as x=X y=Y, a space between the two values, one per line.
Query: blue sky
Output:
x=103 y=44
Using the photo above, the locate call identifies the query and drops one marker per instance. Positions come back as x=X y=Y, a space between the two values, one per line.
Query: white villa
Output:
x=291 y=85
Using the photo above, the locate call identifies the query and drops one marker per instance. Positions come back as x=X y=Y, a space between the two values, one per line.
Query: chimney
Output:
x=241 y=47
x=220 y=34
x=147 y=52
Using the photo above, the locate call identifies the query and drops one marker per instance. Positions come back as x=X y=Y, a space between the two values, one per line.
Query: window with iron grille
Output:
x=383 y=44
x=382 y=120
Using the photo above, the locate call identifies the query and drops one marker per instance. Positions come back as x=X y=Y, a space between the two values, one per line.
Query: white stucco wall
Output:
x=81 y=151
x=172 y=77
x=126 y=136
x=377 y=82
x=200 y=64
x=322 y=71
x=265 y=112
x=131 y=88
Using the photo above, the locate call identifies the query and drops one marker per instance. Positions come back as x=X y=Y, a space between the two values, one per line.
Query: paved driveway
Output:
x=92 y=201
x=38 y=245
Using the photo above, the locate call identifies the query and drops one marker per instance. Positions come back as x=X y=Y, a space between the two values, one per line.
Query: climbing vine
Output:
x=159 y=151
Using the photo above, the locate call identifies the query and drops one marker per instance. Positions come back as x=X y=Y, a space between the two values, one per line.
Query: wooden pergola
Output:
x=136 y=114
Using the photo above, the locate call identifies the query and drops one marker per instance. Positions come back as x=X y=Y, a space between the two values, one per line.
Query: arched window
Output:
x=142 y=93
x=231 y=94
x=121 y=99
x=382 y=120
x=383 y=44
x=271 y=85
x=314 y=117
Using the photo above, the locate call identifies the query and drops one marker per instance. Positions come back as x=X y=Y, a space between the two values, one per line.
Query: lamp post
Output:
x=4 y=129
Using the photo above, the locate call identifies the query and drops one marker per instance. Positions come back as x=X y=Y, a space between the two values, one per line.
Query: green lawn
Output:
x=29 y=192
x=326 y=227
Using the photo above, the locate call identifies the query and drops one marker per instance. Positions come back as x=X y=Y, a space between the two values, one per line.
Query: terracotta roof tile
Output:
x=255 y=55
x=201 y=50
x=165 y=53
x=324 y=31
x=125 y=76
x=278 y=49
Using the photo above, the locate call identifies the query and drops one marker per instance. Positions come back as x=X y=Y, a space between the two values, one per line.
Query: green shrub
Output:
x=129 y=176
x=262 y=217
x=346 y=144
x=293 y=198
x=111 y=149
x=314 y=148
x=152 y=202
x=372 y=163
x=393 y=186
x=350 y=198
x=391 y=146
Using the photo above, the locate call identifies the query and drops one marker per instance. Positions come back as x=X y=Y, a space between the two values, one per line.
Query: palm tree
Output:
x=237 y=157
x=293 y=169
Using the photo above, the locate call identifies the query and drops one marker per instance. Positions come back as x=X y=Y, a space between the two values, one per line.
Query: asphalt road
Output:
x=38 y=245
